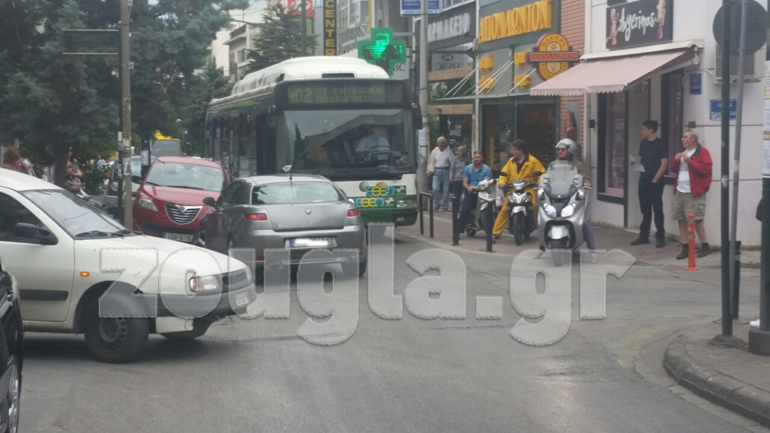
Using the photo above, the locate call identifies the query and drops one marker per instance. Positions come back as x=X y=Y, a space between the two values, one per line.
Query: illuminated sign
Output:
x=330 y=28
x=517 y=21
x=382 y=50
x=553 y=56
x=344 y=93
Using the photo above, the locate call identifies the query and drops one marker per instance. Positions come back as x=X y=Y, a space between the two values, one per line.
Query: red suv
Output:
x=169 y=204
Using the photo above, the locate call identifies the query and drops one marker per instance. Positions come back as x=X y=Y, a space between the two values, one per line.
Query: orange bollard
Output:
x=691 y=248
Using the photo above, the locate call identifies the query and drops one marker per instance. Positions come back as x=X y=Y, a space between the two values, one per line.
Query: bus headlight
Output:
x=406 y=203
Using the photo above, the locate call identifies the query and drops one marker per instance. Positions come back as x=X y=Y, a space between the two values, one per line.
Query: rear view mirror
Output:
x=31 y=231
x=209 y=201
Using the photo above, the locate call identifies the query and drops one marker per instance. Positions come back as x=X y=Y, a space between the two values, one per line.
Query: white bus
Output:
x=338 y=117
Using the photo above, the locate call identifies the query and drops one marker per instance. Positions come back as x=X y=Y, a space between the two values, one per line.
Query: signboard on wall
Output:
x=454 y=27
x=553 y=56
x=413 y=8
x=288 y=4
x=642 y=22
x=448 y=61
x=330 y=28
x=715 y=109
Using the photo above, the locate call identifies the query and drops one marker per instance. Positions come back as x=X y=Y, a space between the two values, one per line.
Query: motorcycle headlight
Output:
x=147 y=204
x=580 y=195
x=527 y=198
x=540 y=194
x=550 y=211
x=568 y=211
x=198 y=284
x=519 y=199
x=511 y=198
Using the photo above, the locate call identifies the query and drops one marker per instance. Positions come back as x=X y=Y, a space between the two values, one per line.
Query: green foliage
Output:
x=280 y=38
x=92 y=180
x=52 y=101
x=210 y=84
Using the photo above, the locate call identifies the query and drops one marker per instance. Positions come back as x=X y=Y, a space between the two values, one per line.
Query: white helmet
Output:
x=568 y=144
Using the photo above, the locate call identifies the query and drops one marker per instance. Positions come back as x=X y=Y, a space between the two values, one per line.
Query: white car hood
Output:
x=150 y=262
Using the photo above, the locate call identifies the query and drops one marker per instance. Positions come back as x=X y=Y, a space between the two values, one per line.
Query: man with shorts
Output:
x=693 y=179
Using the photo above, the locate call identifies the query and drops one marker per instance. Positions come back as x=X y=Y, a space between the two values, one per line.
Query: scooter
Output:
x=562 y=207
x=521 y=221
x=478 y=218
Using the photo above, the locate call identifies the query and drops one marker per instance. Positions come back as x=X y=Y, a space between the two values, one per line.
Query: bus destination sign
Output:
x=344 y=93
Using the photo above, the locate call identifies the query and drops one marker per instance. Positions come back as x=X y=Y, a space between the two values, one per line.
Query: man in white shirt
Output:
x=438 y=167
x=373 y=142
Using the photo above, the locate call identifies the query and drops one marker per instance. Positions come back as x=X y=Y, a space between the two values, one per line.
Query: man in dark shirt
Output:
x=653 y=157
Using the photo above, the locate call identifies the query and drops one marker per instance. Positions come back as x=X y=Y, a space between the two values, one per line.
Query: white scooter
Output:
x=563 y=203
x=478 y=217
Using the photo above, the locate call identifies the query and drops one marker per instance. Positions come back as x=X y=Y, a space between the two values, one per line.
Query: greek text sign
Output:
x=641 y=22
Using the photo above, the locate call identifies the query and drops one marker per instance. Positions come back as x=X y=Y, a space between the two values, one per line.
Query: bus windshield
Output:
x=341 y=143
x=166 y=148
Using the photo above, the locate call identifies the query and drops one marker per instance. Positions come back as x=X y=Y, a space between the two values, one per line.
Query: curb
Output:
x=721 y=389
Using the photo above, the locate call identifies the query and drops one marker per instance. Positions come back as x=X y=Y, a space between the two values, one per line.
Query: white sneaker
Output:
x=754 y=323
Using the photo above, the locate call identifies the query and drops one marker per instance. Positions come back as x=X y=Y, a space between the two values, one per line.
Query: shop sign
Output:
x=521 y=20
x=696 y=84
x=450 y=29
x=642 y=22
x=448 y=61
x=553 y=56
x=330 y=28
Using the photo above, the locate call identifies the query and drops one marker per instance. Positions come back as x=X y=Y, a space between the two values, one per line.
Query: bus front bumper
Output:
x=399 y=216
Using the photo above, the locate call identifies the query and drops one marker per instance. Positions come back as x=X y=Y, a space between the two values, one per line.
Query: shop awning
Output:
x=608 y=75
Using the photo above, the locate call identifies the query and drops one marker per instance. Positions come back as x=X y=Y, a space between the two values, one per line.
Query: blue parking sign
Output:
x=413 y=8
x=715 y=109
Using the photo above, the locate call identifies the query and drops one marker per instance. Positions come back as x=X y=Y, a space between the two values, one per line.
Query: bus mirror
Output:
x=417 y=118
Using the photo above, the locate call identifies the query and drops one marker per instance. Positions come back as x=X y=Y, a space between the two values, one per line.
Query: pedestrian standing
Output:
x=652 y=163
x=438 y=166
x=457 y=168
x=12 y=160
x=693 y=168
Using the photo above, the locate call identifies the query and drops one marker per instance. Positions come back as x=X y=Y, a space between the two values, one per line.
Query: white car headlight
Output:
x=568 y=211
x=147 y=204
x=550 y=211
x=198 y=284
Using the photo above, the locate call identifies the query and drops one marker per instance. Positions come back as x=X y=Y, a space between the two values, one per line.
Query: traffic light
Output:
x=382 y=50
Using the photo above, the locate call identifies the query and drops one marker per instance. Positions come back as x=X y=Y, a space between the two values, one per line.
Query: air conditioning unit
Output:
x=753 y=66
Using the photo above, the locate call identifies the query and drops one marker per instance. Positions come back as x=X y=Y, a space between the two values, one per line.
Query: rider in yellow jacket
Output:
x=522 y=166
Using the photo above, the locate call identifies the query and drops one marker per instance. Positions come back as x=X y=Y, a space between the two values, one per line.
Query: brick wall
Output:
x=573 y=28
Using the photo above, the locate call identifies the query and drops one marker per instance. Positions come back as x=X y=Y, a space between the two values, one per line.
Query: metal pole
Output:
x=727 y=318
x=304 y=28
x=759 y=339
x=422 y=175
x=489 y=222
x=119 y=198
x=736 y=162
x=455 y=222
x=128 y=219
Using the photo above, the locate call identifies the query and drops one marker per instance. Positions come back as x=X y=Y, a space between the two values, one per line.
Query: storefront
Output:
x=509 y=32
x=450 y=78
x=656 y=60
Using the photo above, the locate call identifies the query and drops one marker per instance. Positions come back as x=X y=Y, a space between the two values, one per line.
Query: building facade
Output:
x=655 y=59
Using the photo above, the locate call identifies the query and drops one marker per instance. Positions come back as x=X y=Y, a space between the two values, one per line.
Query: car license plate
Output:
x=241 y=299
x=178 y=237
x=310 y=243
x=382 y=157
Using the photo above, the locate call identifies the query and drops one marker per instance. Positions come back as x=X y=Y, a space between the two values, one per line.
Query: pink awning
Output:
x=605 y=76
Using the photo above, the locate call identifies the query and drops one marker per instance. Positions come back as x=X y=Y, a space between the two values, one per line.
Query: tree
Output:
x=280 y=38
x=210 y=84
x=52 y=101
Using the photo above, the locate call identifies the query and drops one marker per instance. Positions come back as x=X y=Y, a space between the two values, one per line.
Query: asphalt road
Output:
x=392 y=375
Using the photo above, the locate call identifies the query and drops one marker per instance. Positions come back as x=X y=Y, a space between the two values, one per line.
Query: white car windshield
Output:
x=75 y=215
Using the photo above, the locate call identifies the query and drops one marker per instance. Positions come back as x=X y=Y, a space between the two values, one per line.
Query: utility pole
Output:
x=304 y=28
x=125 y=150
x=759 y=339
x=727 y=316
x=422 y=175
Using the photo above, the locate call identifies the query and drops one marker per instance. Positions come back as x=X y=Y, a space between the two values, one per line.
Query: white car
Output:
x=81 y=271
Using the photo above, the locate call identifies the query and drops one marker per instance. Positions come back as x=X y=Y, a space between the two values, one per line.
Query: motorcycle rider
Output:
x=566 y=150
x=472 y=175
x=521 y=166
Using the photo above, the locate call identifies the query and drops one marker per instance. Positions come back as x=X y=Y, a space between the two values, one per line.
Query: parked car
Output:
x=169 y=203
x=110 y=197
x=301 y=213
x=11 y=352
x=79 y=271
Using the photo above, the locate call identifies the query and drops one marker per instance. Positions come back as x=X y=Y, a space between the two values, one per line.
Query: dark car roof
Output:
x=280 y=178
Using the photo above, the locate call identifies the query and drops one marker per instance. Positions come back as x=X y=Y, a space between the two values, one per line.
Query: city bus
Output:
x=341 y=118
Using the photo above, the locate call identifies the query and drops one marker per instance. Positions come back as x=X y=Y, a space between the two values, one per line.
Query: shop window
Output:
x=613 y=120
x=672 y=126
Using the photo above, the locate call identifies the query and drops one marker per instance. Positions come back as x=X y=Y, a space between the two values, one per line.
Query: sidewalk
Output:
x=731 y=377
x=606 y=239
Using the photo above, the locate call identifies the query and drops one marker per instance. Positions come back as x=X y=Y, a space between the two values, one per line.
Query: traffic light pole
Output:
x=422 y=175
x=125 y=150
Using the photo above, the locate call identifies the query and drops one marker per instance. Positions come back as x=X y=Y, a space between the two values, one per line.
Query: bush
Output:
x=93 y=180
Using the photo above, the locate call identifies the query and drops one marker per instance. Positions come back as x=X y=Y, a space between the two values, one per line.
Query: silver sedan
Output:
x=299 y=213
